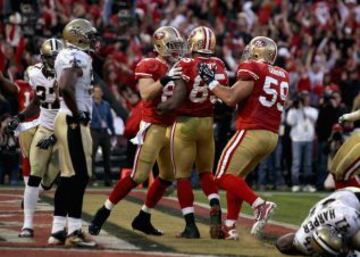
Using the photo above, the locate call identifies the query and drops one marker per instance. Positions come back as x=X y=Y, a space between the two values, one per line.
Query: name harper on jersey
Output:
x=320 y=219
x=276 y=71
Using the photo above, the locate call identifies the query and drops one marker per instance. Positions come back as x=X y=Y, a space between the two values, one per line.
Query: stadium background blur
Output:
x=318 y=43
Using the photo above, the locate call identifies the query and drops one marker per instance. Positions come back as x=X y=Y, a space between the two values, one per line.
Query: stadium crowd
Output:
x=318 y=44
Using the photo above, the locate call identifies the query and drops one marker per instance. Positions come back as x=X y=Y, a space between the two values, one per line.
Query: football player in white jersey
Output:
x=331 y=228
x=43 y=167
x=73 y=67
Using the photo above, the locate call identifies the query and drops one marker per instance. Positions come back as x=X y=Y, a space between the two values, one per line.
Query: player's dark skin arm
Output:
x=67 y=87
x=32 y=109
x=175 y=100
x=231 y=96
x=7 y=85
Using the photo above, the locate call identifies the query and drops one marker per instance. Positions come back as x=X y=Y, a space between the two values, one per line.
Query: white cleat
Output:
x=262 y=214
x=230 y=232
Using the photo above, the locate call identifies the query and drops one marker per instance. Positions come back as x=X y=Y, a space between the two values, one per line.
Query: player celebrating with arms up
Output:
x=155 y=81
x=259 y=93
x=192 y=137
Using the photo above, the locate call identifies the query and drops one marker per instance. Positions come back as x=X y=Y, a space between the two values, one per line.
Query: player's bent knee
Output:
x=139 y=178
x=34 y=181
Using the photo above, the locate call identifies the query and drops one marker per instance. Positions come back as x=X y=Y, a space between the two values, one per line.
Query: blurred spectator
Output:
x=330 y=109
x=9 y=155
x=302 y=118
x=101 y=125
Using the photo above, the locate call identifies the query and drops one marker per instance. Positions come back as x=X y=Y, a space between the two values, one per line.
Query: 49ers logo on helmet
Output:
x=160 y=35
x=259 y=43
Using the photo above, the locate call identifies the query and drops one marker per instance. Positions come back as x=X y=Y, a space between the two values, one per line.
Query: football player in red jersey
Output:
x=259 y=93
x=24 y=93
x=192 y=137
x=155 y=81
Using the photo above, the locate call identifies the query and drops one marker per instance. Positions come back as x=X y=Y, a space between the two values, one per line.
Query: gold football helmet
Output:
x=168 y=42
x=327 y=241
x=49 y=50
x=202 y=40
x=80 y=33
x=263 y=49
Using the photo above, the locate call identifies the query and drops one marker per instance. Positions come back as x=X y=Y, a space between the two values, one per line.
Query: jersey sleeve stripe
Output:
x=252 y=74
x=143 y=74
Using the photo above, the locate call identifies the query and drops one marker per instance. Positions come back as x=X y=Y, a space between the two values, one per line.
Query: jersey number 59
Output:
x=272 y=97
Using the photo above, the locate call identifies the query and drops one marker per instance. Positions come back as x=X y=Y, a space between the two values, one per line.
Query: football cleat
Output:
x=190 y=231
x=100 y=217
x=26 y=233
x=262 y=215
x=79 y=239
x=57 y=238
x=215 y=223
x=142 y=223
x=230 y=232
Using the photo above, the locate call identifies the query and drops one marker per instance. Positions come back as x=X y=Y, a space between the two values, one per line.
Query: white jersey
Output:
x=45 y=90
x=67 y=58
x=341 y=209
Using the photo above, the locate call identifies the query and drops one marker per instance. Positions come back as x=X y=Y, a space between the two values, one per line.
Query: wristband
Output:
x=21 y=117
x=164 y=80
x=213 y=84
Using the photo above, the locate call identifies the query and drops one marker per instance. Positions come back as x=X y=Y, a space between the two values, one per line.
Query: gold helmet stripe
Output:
x=208 y=38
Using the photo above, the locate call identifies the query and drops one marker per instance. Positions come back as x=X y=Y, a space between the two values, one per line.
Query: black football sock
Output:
x=214 y=202
x=189 y=219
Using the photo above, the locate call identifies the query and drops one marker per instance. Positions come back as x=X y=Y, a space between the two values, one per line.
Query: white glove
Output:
x=343 y=118
x=175 y=73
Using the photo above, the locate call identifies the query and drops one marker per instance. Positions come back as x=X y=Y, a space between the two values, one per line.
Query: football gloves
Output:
x=206 y=73
x=82 y=118
x=45 y=143
x=173 y=74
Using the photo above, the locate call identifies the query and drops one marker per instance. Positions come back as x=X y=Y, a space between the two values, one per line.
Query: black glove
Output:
x=206 y=73
x=14 y=123
x=45 y=143
x=82 y=118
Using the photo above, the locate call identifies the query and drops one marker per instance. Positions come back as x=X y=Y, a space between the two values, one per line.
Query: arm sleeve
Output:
x=142 y=71
x=247 y=71
x=291 y=117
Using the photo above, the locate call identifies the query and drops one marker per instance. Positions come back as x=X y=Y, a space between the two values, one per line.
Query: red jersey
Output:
x=155 y=68
x=263 y=108
x=24 y=96
x=200 y=100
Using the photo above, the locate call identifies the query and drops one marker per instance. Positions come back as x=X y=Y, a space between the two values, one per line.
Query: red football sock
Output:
x=233 y=206
x=208 y=184
x=352 y=182
x=184 y=193
x=238 y=187
x=155 y=192
x=121 y=189
x=25 y=166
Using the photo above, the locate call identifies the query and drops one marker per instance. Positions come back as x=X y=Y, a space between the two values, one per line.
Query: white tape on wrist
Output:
x=213 y=84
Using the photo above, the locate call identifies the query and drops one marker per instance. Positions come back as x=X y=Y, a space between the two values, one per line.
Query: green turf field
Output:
x=292 y=208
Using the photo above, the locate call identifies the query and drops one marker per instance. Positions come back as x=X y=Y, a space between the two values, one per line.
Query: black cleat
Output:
x=100 y=217
x=190 y=231
x=57 y=238
x=215 y=223
x=142 y=223
x=27 y=233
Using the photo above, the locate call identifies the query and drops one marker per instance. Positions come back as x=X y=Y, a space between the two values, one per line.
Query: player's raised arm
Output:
x=67 y=82
x=7 y=85
x=175 y=100
x=352 y=116
x=229 y=95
